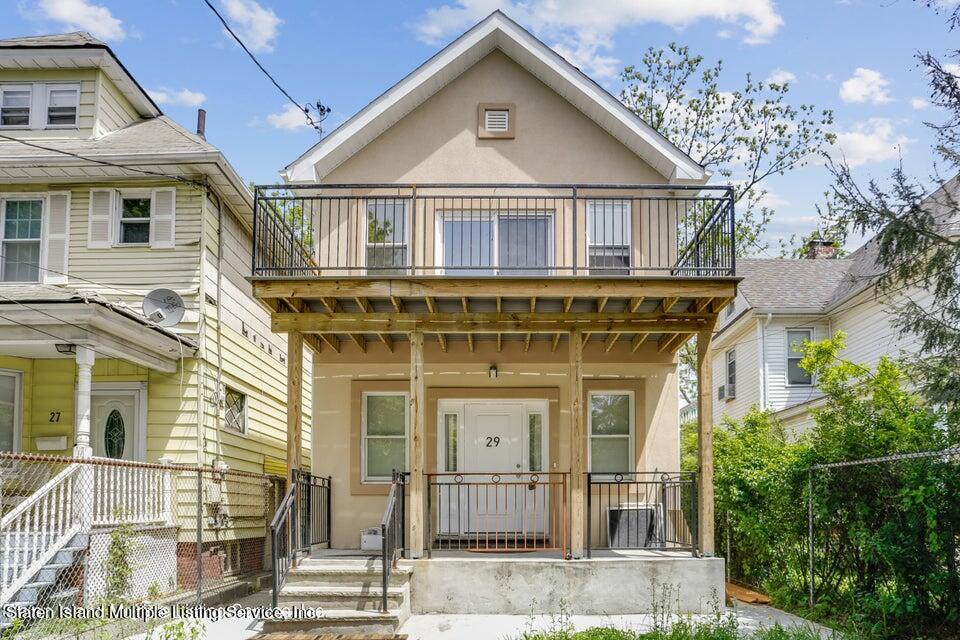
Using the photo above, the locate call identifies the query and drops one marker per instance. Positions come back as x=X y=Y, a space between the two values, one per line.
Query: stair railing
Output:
x=37 y=528
x=392 y=533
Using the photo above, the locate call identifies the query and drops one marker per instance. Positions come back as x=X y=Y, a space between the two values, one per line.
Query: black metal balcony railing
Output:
x=493 y=230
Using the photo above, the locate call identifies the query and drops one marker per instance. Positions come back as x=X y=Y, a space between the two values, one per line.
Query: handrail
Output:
x=391 y=529
x=281 y=519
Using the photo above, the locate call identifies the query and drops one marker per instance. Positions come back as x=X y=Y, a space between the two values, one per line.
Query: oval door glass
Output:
x=114 y=435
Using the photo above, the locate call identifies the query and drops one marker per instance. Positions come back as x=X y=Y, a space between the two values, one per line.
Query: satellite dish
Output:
x=164 y=307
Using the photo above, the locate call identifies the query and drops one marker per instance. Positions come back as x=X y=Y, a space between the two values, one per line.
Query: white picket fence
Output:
x=82 y=496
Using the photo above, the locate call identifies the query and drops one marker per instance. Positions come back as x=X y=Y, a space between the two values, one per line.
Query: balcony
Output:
x=390 y=231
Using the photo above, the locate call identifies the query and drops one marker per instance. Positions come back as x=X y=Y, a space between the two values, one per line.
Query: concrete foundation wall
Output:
x=579 y=587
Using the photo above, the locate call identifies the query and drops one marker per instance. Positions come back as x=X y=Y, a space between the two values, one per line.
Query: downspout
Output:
x=763 y=361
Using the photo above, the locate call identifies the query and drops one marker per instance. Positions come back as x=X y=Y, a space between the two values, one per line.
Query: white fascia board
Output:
x=495 y=31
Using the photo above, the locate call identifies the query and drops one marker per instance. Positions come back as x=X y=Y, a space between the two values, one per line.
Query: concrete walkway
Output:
x=483 y=627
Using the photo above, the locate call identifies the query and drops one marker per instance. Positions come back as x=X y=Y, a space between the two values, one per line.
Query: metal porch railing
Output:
x=303 y=519
x=493 y=230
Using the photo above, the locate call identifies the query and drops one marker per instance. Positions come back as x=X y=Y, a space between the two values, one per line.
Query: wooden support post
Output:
x=705 y=522
x=294 y=400
x=418 y=437
x=578 y=446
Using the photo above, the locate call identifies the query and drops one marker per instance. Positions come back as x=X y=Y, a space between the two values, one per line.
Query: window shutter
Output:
x=100 y=222
x=57 y=238
x=496 y=120
x=163 y=215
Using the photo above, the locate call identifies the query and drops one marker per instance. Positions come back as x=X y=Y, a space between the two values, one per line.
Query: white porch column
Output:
x=81 y=437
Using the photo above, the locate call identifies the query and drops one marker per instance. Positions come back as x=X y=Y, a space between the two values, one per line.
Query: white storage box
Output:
x=371 y=539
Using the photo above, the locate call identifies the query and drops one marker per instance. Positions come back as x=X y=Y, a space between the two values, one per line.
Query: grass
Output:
x=722 y=628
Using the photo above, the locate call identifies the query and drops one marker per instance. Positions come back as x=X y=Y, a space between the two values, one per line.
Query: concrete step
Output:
x=341 y=597
x=343 y=622
x=326 y=575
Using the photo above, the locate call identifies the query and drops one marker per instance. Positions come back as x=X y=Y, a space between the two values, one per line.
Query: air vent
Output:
x=496 y=120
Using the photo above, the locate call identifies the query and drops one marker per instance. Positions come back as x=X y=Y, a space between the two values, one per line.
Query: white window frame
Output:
x=17 y=407
x=243 y=417
x=20 y=86
x=631 y=452
x=42 y=261
x=730 y=357
x=591 y=205
x=364 y=478
x=494 y=218
x=132 y=194
x=60 y=86
x=406 y=234
x=795 y=356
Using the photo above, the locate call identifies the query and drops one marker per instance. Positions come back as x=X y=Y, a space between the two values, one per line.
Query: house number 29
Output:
x=493 y=441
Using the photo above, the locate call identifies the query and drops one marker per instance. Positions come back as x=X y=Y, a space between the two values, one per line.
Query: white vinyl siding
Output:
x=746 y=342
x=781 y=394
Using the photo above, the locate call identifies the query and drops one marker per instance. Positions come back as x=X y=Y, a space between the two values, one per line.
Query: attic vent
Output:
x=497 y=120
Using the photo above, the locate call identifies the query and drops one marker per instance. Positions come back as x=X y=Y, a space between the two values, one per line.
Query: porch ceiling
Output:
x=638 y=310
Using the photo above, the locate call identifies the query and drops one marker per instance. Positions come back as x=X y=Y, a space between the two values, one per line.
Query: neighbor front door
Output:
x=114 y=426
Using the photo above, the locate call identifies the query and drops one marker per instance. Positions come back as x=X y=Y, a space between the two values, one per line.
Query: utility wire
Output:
x=322 y=110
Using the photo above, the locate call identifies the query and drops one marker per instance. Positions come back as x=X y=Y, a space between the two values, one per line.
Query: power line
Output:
x=106 y=163
x=322 y=110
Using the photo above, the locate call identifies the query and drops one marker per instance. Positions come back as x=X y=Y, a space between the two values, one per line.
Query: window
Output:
x=795 y=340
x=731 y=374
x=730 y=308
x=63 y=102
x=535 y=441
x=451 y=437
x=134 y=219
x=21 y=230
x=608 y=237
x=386 y=236
x=611 y=432
x=235 y=410
x=488 y=243
x=15 y=105
x=384 y=433
x=9 y=411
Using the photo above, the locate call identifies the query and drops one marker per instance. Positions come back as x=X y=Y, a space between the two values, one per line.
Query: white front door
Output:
x=115 y=423
x=491 y=493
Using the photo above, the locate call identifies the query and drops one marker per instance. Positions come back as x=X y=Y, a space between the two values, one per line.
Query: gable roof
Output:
x=802 y=286
x=496 y=31
x=76 y=50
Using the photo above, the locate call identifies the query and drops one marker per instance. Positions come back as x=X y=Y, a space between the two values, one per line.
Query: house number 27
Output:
x=493 y=441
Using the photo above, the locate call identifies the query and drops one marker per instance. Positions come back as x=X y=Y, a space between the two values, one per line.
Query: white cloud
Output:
x=781 y=76
x=82 y=15
x=952 y=68
x=290 y=118
x=871 y=141
x=256 y=25
x=865 y=85
x=919 y=104
x=584 y=31
x=183 y=97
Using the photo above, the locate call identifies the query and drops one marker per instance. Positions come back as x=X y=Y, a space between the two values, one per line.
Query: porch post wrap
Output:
x=705 y=521
x=81 y=439
x=294 y=401
x=417 y=446
x=578 y=458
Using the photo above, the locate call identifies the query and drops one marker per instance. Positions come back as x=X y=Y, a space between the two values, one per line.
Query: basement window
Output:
x=496 y=120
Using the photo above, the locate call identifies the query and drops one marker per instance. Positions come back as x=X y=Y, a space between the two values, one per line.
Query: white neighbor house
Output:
x=781 y=303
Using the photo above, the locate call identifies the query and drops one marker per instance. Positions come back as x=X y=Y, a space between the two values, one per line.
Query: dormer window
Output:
x=15 y=105
x=63 y=102
x=496 y=120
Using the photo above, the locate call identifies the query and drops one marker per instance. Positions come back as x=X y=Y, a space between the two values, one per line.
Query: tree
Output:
x=917 y=236
x=745 y=136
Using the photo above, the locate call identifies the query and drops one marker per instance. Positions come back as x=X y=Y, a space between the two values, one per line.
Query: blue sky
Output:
x=853 y=56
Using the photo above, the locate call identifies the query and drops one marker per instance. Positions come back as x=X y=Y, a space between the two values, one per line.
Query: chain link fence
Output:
x=92 y=532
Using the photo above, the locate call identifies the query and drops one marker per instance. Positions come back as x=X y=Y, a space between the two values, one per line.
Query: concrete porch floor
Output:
x=600 y=554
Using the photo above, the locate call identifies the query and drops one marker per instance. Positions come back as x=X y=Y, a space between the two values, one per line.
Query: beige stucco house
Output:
x=497 y=263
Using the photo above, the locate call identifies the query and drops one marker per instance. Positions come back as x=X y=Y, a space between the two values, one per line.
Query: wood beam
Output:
x=313 y=342
x=638 y=340
x=466 y=309
x=333 y=306
x=672 y=344
x=332 y=341
x=720 y=303
x=508 y=287
x=499 y=335
x=702 y=304
x=635 y=303
x=533 y=309
x=540 y=322
x=567 y=304
x=610 y=341
x=432 y=308
x=602 y=303
x=578 y=445
x=705 y=506
x=366 y=307
x=418 y=446
x=397 y=304
x=667 y=303
x=294 y=401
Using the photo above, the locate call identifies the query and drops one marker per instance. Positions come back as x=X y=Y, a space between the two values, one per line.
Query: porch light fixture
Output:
x=492 y=372
x=65 y=347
